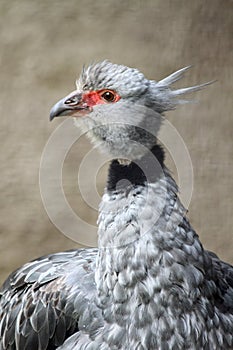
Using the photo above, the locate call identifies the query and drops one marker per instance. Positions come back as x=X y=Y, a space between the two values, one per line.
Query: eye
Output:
x=109 y=96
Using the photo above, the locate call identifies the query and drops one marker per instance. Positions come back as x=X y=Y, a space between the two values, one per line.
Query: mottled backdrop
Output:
x=43 y=45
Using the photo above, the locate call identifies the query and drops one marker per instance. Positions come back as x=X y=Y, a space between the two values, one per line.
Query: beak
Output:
x=69 y=105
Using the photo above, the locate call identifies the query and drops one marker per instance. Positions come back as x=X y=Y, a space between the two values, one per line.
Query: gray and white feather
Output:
x=150 y=285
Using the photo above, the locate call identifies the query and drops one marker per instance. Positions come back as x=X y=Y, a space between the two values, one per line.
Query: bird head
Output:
x=119 y=108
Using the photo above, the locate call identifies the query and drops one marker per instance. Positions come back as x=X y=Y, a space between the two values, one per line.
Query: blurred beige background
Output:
x=43 y=45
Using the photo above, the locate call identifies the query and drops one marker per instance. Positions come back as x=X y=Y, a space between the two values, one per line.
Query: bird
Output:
x=150 y=284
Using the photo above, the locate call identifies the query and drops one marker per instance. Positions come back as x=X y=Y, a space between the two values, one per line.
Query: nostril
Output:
x=72 y=100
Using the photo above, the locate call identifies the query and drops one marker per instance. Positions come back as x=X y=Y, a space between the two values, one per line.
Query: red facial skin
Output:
x=94 y=98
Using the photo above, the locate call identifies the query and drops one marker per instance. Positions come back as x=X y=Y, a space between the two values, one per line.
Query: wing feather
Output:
x=38 y=302
x=222 y=274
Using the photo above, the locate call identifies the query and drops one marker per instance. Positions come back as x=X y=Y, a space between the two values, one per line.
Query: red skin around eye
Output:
x=93 y=98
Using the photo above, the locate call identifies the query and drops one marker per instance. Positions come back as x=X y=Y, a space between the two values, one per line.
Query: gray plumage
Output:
x=150 y=284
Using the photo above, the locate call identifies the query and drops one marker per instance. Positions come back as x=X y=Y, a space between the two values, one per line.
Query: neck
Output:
x=128 y=198
x=144 y=241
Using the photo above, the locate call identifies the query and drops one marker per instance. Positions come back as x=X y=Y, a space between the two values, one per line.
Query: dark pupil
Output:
x=108 y=96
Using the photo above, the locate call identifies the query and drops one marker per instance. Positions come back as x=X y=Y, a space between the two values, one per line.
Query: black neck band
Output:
x=139 y=172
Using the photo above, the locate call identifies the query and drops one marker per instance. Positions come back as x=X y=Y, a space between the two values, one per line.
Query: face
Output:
x=82 y=103
x=110 y=104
